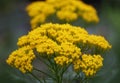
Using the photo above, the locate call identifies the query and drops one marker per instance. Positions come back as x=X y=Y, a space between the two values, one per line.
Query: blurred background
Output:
x=14 y=22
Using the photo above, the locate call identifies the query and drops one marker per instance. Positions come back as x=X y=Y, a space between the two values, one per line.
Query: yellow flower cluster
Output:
x=39 y=11
x=47 y=47
x=70 y=10
x=67 y=54
x=55 y=33
x=70 y=50
x=99 y=41
x=62 y=60
x=66 y=10
x=63 y=43
x=22 y=59
x=89 y=64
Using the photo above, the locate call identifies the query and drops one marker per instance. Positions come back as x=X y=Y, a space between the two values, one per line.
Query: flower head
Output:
x=22 y=59
x=64 y=10
x=63 y=44
x=88 y=64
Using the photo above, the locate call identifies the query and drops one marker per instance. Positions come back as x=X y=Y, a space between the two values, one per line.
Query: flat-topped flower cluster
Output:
x=64 y=44
x=64 y=10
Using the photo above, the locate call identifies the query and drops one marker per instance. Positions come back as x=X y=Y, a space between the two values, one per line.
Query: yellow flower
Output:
x=58 y=34
x=47 y=47
x=22 y=40
x=67 y=15
x=37 y=20
x=99 y=41
x=65 y=10
x=90 y=17
x=63 y=43
x=62 y=60
x=38 y=11
x=89 y=64
x=22 y=59
x=40 y=7
x=70 y=50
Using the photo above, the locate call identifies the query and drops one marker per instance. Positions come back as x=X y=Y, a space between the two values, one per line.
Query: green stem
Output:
x=44 y=81
x=40 y=59
x=35 y=77
x=52 y=66
x=44 y=73
x=79 y=78
x=85 y=80
x=58 y=73
x=64 y=70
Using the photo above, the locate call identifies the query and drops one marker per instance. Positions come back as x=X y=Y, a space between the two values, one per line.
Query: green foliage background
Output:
x=14 y=22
